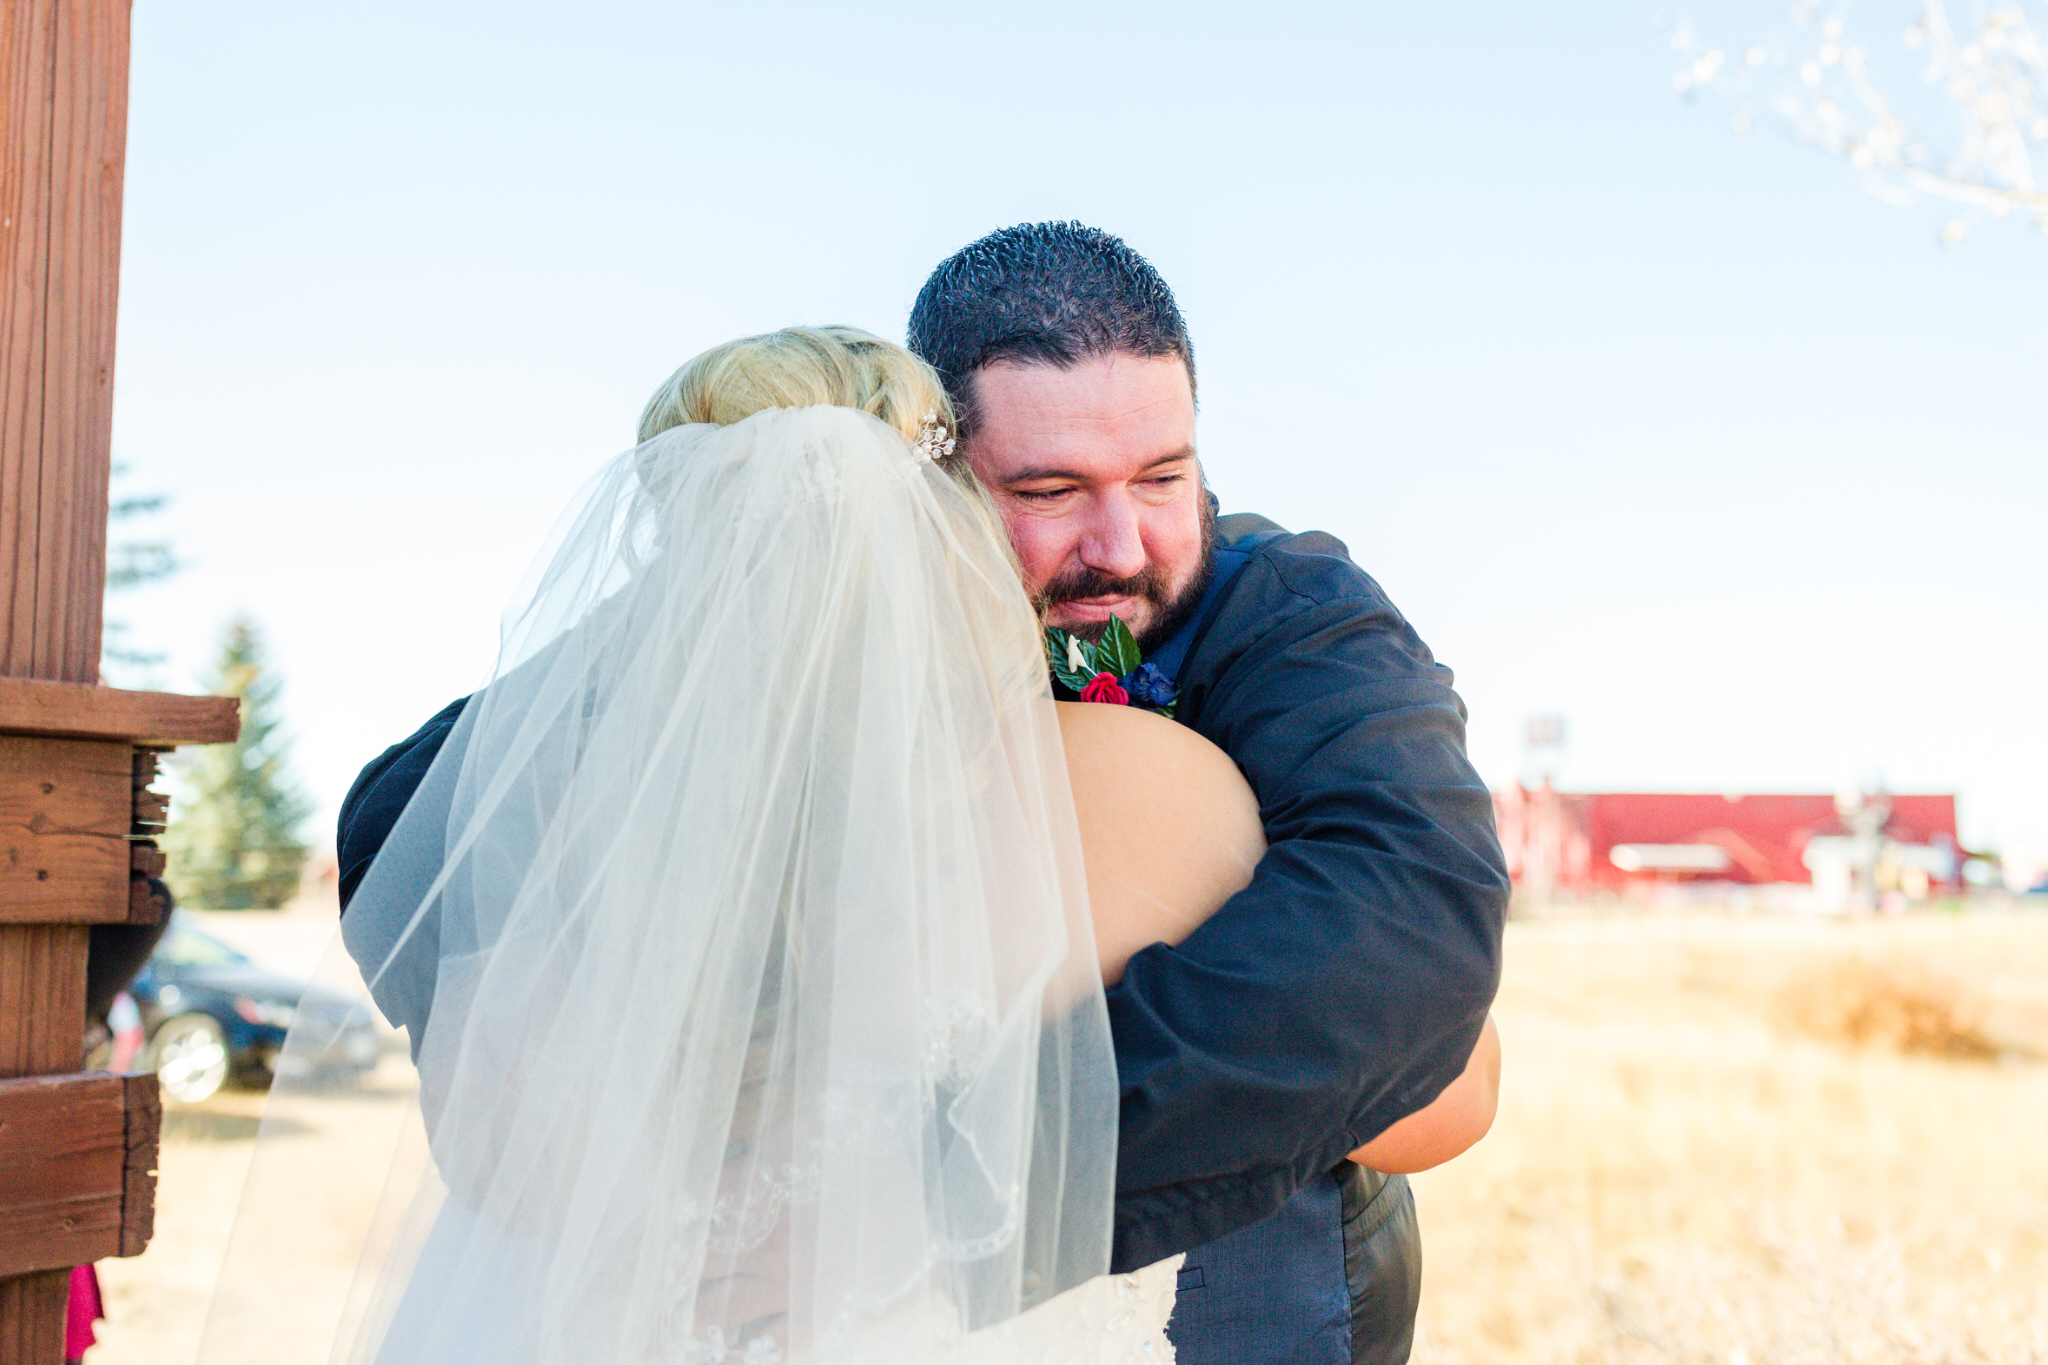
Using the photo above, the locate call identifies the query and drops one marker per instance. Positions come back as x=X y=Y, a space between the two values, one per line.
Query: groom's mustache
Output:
x=1084 y=583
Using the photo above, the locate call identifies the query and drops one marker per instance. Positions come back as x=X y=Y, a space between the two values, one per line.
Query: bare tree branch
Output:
x=1985 y=77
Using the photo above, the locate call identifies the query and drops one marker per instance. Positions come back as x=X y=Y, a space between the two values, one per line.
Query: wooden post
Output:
x=64 y=98
x=76 y=1151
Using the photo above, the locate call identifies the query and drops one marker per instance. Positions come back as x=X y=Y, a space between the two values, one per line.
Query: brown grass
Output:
x=1722 y=1141
x=1755 y=1142
x=1872 y=1005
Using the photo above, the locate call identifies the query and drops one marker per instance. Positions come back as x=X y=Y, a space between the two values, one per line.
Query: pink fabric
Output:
x=85 y=1310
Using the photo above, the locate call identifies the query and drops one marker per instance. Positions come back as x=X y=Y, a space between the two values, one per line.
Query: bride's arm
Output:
x=1456 y=1119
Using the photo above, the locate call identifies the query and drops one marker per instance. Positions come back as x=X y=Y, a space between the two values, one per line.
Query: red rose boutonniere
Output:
x=1105 y=687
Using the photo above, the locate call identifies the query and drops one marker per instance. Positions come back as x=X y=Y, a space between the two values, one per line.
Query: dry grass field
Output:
x=1756 y=1141
x=1725 y=1140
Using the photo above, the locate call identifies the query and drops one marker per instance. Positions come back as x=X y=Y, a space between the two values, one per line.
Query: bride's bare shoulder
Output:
x=1104 y=737
x=1116 y=751
x=1169 y=826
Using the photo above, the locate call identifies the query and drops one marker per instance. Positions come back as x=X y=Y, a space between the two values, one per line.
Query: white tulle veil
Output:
x=741 y=933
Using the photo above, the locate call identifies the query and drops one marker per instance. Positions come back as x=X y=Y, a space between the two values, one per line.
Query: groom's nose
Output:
x=1113 y=541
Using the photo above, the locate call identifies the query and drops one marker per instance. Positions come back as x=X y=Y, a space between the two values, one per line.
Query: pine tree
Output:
x=132 y=562
x=233 y=841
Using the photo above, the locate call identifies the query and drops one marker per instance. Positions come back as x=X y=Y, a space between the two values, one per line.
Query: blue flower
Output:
x=1149 y=687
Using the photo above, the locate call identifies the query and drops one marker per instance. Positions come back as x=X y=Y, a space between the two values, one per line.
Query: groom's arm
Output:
x=1345 y=988
x=380 y=793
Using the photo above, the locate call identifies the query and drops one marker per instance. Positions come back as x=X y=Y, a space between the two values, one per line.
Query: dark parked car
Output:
x=211 y=1015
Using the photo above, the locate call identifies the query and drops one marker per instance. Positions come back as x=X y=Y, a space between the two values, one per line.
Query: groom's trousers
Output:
x=1331 y=1279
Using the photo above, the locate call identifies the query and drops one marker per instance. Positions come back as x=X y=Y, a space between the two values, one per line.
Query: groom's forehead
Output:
x=1122 y=408
x=1109 y=381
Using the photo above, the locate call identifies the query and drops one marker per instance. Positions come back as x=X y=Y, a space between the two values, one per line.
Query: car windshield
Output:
x=185 y=946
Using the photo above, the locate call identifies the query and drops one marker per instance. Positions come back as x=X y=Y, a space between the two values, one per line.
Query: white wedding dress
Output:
x=1109 y=1320
x=749 y=903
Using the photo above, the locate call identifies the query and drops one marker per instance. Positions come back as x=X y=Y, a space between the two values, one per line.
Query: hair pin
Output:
x=933 y=442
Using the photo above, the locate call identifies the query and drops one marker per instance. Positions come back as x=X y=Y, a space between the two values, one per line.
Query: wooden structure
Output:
x=76 y=759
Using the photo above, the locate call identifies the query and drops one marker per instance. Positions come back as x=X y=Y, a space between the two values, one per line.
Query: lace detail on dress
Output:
x=1114 y=1320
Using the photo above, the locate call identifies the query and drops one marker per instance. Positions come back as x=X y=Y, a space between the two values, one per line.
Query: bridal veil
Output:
x=741 y=936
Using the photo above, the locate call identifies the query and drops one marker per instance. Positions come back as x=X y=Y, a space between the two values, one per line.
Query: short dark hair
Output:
x=1042 y=293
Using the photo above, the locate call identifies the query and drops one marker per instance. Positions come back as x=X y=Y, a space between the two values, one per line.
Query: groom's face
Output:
x=1093 y=469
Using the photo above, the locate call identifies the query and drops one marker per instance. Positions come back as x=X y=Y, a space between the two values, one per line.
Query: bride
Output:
x=751 y=927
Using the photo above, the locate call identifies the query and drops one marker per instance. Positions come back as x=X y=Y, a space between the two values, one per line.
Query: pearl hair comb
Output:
x=933 y=442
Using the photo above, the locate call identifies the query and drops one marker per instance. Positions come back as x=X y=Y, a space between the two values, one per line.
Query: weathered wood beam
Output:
x=142 y=1104
x=66 y=807
x=42 y=998
x=64 y=102
x=32 y=1309
x=33 y=706
x=70 y=1149
x=63 y=142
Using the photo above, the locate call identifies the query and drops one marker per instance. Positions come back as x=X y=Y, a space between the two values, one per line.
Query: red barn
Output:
x=1588 y=841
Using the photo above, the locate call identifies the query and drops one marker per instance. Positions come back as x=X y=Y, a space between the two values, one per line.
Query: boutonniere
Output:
x=1109 y=670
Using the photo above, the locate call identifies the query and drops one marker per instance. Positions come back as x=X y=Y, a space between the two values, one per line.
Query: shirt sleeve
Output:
x=1345 y=986
x=379 y=795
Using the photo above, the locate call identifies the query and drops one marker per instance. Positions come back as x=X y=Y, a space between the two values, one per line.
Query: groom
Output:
x=1341 y=990
x=1344 y=988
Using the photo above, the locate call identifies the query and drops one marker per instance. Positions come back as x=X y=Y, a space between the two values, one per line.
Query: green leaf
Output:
x=1117 y=651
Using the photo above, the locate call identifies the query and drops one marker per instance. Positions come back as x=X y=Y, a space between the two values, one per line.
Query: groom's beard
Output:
x=1170 y=610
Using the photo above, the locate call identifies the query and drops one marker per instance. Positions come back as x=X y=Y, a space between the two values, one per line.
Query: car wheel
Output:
x=190 y=1057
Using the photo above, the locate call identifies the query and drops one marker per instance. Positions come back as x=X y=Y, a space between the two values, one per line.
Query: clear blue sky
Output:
x=1675 y=432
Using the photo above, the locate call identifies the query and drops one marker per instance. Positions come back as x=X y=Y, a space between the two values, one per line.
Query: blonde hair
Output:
x=801 y=367
x=841 y=367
